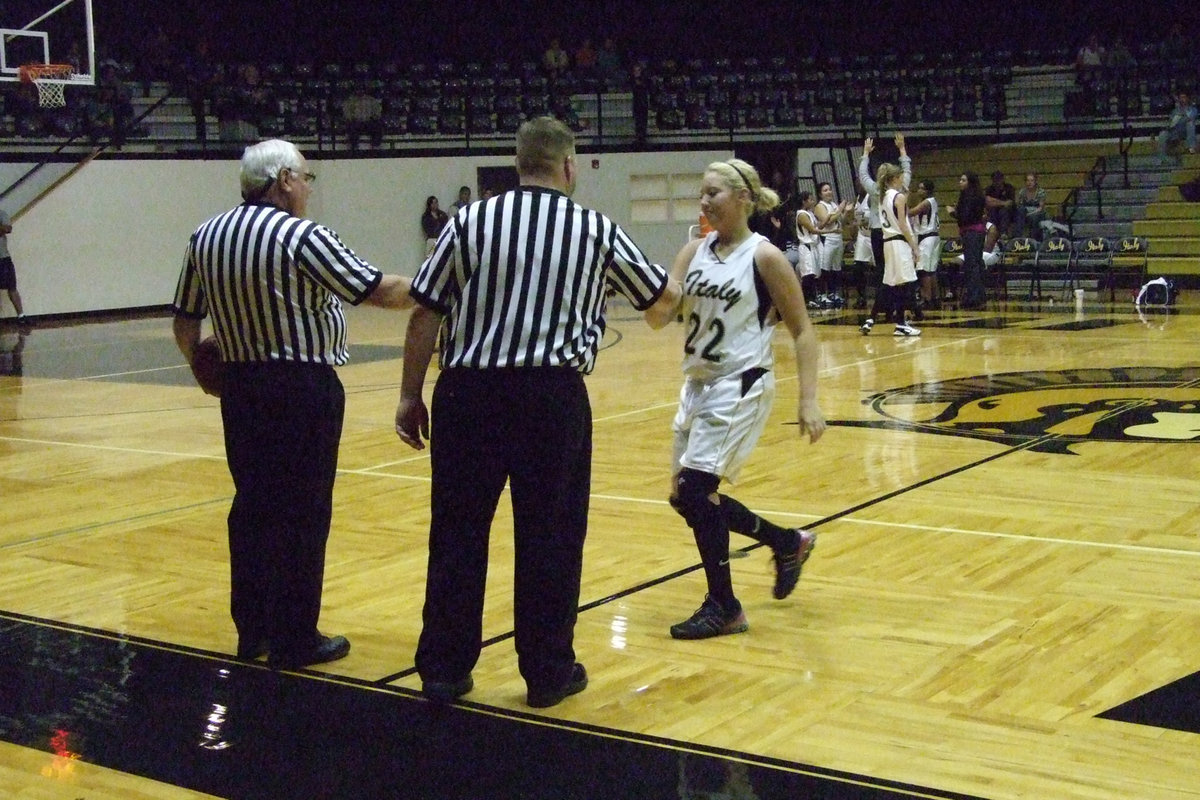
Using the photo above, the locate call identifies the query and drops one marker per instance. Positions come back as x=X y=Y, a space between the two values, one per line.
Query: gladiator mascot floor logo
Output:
x=1050 y=411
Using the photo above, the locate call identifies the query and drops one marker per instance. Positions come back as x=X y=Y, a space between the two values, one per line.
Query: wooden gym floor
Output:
x=1004 y=601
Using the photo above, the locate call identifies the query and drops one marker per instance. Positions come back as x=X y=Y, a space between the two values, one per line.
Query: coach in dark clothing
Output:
x=516 y=285
x=970 y=211
x=273 y=283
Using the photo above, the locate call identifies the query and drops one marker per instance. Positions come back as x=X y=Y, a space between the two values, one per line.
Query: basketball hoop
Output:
x=48 y=80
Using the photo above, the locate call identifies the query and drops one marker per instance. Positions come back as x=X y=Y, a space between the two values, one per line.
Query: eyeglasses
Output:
x=307 y=176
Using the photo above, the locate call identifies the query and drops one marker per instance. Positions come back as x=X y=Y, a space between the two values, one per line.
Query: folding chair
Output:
x=949 y=267
x=1093 y=258
x=1130 y=252
x=1055 y=255
x=1019 y=257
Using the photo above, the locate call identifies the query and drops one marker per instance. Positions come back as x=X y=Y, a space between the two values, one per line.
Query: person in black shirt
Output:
x=970 y=213
x=432 y=222
x=1001 y=200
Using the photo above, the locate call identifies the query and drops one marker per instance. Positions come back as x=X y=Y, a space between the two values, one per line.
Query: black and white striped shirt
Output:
x=521 y=280
x=273 y=284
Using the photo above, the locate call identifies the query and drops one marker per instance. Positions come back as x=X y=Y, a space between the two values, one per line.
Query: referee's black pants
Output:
x=533 y=428
x=283 y=422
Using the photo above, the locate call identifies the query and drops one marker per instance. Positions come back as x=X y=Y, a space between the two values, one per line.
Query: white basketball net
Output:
x=48 y=78
x=50 y=93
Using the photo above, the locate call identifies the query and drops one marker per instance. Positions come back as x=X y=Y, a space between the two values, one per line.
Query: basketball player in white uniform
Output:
x=926 y=225
x=809 y=265
x=829 y=215
x=737 y=287
x=899 y=249
x=864 y=256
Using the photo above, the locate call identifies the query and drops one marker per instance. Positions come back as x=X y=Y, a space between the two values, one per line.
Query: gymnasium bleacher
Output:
x=1087 y=136
x=1094 y=189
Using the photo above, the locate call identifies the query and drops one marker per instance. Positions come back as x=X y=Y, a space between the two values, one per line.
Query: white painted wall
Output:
x=113 y=235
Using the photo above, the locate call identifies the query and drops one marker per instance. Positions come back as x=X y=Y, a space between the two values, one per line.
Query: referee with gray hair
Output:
x=273 y=283
x=517 y=287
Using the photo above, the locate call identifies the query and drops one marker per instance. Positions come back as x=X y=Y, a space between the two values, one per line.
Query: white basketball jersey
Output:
x=727 y=330
x=887 y=210
x=802 y=235
x=831 y=211
x=929 y=222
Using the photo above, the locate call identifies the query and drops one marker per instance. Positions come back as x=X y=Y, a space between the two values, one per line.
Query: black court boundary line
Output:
x=663 y=743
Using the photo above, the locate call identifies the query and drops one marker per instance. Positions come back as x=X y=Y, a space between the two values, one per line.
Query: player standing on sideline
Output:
x=927 y=226
x=273 y=282
x=864 y=258
x=520 y=326
x=808 y=265
x=8 y=272
x=729 y=386
x=883 y=300
x=830 y=214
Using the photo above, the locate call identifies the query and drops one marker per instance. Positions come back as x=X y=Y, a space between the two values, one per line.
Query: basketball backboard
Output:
x=48 y=32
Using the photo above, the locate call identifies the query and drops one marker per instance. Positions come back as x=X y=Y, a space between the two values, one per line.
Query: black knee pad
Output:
x=692 y=490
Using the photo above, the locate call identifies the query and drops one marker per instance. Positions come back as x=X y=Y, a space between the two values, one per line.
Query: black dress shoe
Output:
x=544 y=698
x=447 y=691
x=252 y=649
x=330 y=648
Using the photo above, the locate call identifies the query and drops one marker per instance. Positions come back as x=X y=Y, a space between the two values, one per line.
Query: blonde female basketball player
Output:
x=738 y=286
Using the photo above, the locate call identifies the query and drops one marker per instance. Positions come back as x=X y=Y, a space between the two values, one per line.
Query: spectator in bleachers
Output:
x=242 y=105
x=1119 y=59
x=1000 y=199
x=1090 y=58
x=363 y=114
x=198 y=79
x=154 y=59
x=640 y=85
x=109 y=111
x=1177 y=47
x=585 y=59
x=1181 y=126
x=555 y=60
x=1031 y=208
x=608 y=64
